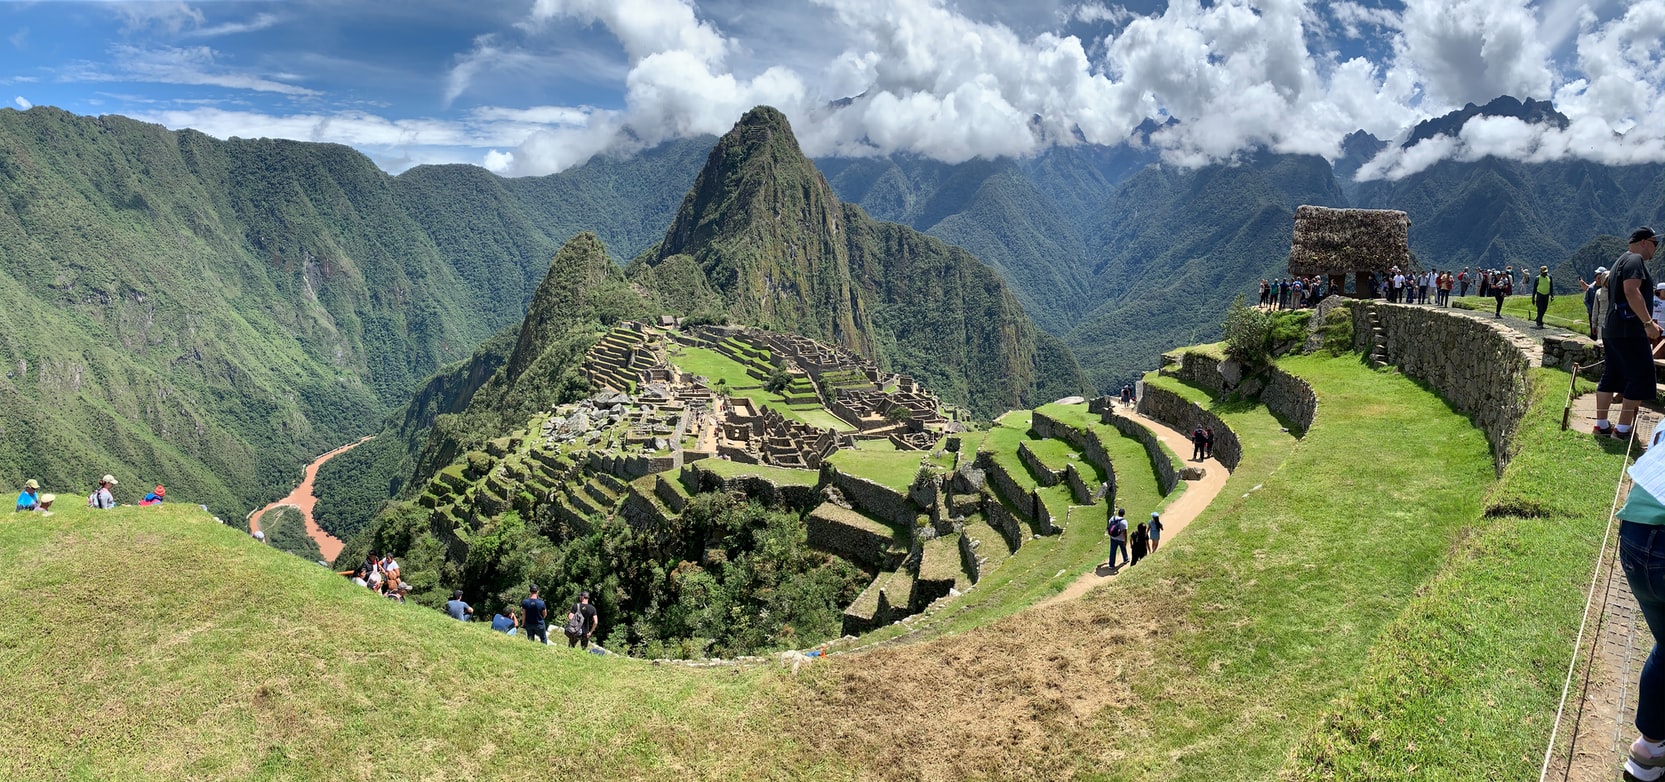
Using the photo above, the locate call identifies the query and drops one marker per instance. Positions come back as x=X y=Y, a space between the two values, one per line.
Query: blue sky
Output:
x=534 y=86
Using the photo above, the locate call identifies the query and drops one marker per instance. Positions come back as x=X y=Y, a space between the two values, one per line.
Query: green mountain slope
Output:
x=210 y=314
x=770 y=236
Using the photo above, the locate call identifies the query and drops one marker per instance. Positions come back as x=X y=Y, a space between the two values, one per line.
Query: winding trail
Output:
x=1176 y=515
x=302 y=499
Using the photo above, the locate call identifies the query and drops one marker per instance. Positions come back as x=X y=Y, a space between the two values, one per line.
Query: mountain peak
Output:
x=1532 y=112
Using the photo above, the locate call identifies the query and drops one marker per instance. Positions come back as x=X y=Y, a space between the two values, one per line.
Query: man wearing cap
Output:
x=1543 y=289
x=101 y=497
x=585 y=619
x=29 y=498
x=1462 y=281
x=1628 y=336
x=534 y=614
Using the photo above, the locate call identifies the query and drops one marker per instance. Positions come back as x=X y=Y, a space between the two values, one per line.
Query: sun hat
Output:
x=48 y=499
x=110 y=479
x=31 y=484
x=1601 y=270
x=160 y=491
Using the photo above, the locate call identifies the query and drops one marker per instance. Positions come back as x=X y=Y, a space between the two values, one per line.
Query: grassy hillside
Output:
x=1314 y=606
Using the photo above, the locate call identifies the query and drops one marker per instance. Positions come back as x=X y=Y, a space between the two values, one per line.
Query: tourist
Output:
x=1208 y=443
x=457 y=609
x=505 y=622
x=582 y=622
x=101 y=498
x=1642 y=554
x=155 y=497
x=1603 y=305
x=29 y=498
x=1155 y=530
x=1462 y=282
x=534 y=614
x=1502 y=286
x=1117 y=529
x=1591 y=290
x=1485 y=283
x=1127 y=393
x=1398 y=288
x=1199 y=438
x=1423 y=282
x=260 y=535
x=1543 y=291
x=1265 y=293
x=1628 y=336
x=360 y=577
x=1141 y=542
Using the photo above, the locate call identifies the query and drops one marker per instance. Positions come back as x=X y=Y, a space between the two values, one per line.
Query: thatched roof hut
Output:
x=1332 y=242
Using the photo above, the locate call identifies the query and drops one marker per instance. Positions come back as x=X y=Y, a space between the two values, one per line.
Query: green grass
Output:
x=716 y=366
x=892 y=468
x=1565 y=310
x=780 y=475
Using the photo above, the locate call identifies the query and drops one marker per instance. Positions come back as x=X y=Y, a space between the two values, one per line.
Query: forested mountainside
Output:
x=209 y=314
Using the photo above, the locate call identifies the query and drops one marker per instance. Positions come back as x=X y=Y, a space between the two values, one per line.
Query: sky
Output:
x=530 y=87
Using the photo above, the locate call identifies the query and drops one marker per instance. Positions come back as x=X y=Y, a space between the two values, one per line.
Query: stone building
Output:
x=1334 y=242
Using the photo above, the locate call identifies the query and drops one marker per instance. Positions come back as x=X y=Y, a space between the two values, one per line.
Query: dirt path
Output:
x=303 y=500
x=1175 y=517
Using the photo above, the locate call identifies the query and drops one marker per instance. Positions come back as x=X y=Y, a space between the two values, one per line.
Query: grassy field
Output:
x=1566 y=311
x=1347 y=609
x=716 y=366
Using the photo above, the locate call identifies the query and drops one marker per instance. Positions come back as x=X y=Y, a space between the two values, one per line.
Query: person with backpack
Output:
x=1502 y=286
x=1155 y=531
x=101 y=498
x=1117 y=529
x=582 y=622
x=534 y=616
x=1199 y=440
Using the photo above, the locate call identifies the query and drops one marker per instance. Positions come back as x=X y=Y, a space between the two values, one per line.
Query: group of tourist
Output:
x=1202 y=443
x=1293 y=293
x=1432 y=286
x=1146 y=537
x=103 y=498
x=581 y=621
x=380 y=574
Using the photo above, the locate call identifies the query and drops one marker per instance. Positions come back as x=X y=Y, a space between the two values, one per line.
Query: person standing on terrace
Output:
x=1628 y=336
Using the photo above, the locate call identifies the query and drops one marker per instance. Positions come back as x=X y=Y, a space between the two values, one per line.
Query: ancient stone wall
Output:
x=762 y=489
x=1044 y=475
x=1003 y=521
x=852 y=536
x=1003 y=484
x=1087 y=441
x=1082 y=492
x=879 y=501
x=1182 y=414
x=1167 y=472
x=1199 y=369
x=1473 y=364
x=641 y=511
x=1563 y=352
x=1291 y=399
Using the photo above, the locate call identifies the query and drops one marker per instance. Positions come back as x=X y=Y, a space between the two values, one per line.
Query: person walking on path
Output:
x=1543 y=290
x=1628 y=336
x=1141 y=542
x=1642 y=555
x=29 y=498
x=1199 y=442
x=1155 y=531
x=1208 y=443
x=1502 y=286
x=534 y=615
x=582 y=622
x=1117 y=528
x=101 y=497
x=458 y=610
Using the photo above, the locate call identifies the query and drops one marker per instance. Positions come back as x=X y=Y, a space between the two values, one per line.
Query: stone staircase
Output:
x=1378 y=357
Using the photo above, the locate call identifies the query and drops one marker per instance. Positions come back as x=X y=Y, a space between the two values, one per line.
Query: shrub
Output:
x=1337 y=331
x=1248 y=333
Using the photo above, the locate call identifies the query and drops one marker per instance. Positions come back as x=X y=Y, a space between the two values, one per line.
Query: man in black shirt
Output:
x=1628 y=336
x=534 y=616
x=582 y=622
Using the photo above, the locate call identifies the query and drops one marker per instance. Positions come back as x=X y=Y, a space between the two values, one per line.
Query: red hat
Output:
x=160 y=491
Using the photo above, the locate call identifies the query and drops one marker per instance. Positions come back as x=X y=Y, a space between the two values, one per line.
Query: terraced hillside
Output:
x=892 y=485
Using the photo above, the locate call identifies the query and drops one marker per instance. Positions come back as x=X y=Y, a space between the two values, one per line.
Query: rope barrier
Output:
x=1589 y=602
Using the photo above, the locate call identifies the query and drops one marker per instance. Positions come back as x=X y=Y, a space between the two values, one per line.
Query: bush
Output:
x=1337 y=331
x=1248 y=333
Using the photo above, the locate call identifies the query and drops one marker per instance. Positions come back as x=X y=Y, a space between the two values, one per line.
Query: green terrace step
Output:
x=854 y=536
x=939 y=570
x=671 y=492
x=991 y=548
x=884 y=601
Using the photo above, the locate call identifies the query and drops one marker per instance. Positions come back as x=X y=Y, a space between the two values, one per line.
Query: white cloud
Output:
x=195 y=65
x=23 y=103
x=260 y=22
x=1094 y=13
x=1474 y=50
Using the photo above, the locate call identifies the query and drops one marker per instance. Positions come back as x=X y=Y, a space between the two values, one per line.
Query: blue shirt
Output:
x=502 y=624
x=26 y=500
x=535 y=610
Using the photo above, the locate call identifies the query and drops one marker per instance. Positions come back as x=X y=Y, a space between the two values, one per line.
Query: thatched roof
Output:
x=1334 y=241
